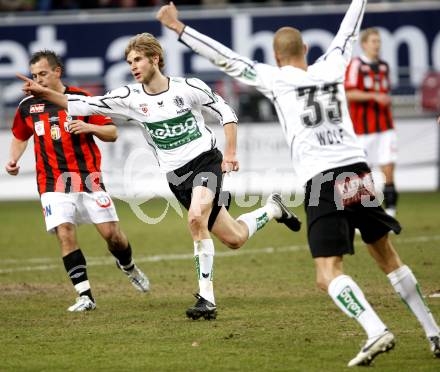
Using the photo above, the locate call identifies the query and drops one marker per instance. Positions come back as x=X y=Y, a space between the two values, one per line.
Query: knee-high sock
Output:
x=76 y=267
x=204 y=259
x=350 y=299
x=124 y=257
x=405 y=284
x=258 y=218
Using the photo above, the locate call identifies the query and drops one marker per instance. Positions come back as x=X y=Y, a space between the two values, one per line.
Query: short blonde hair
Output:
x=288 y=42
x=148 y=45
x=365 y=34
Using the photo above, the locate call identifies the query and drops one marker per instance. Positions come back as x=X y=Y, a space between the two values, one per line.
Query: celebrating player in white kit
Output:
x=169 y=109
x=312 y=110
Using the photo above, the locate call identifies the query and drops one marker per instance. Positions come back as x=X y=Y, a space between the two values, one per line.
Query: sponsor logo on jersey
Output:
x=103 y=201
x=55 y=132
x=160 y=103
x=175 y=132
x=34 y=109
x=178 y=101
x=144 y=108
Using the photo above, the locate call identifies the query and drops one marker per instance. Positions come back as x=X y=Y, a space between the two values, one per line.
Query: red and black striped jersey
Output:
x=65 y=162
x=369 y=116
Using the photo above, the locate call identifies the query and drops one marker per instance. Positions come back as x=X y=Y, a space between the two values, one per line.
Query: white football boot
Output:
x=83 y=303
x=137 y=278
x=372 y=348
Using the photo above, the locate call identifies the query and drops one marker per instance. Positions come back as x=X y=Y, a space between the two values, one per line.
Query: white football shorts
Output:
x=380 y=148
x=77 y=208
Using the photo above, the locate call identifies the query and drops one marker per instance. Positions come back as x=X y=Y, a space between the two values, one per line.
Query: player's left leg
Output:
x=407 y=287
x=349 y=297
x=235 y=232
x=120 y=248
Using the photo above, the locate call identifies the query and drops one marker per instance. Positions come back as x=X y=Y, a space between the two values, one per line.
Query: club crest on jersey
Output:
x=103 y=201
x=144 y=108
x=55 y=132
x=39 y=128
x=34 y=109
x=178 y=101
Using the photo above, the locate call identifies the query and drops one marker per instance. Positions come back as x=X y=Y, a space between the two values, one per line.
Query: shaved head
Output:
x=288 y=43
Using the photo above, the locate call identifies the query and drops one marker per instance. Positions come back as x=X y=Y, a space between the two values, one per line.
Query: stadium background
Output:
x=92 y=42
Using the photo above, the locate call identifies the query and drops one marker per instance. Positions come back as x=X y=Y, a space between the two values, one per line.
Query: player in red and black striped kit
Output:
x=68 y=165
x=367 y=86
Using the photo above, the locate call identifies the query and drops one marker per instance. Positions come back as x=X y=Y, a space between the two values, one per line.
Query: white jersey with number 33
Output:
x=310 y=104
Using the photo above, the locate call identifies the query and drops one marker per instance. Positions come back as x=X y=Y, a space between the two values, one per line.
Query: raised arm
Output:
x=239 y=67
x=342 y=44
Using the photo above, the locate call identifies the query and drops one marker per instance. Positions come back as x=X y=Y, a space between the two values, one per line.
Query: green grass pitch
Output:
x=271 y=315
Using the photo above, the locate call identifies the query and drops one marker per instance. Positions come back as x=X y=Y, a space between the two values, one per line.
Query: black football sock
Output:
x=124 y=257
x=390 y=196
x=76 y=267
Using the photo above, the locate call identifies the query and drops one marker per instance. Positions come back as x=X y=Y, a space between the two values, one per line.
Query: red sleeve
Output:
x=352 y=74
x=19 y=128
x=99 y=120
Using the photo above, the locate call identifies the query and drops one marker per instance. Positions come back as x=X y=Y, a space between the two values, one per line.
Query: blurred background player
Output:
x=367 y=86
x=169 y=110
x=330 y=161
x=69 y=176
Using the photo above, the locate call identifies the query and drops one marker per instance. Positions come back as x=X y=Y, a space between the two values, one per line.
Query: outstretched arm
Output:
x=30 y=87
x=239 y=67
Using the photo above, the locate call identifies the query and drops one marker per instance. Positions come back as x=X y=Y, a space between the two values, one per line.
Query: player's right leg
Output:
x=330 y=237
x=76 y=267
x=60 y=218
x=204 y=251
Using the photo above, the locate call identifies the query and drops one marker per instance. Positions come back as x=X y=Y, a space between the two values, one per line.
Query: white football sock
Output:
x=405 y=284
x=350 y=299
x=258 y=218
x=204 y=258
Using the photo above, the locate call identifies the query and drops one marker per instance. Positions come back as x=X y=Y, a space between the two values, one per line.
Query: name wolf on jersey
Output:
x=330 y=137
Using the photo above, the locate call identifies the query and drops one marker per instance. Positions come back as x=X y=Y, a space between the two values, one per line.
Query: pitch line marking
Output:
x=50 y=263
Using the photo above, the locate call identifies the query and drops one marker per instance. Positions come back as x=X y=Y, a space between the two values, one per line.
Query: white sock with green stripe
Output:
x=258 y=218
x=204 y=259
x=405 y=284
x=350 y=299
